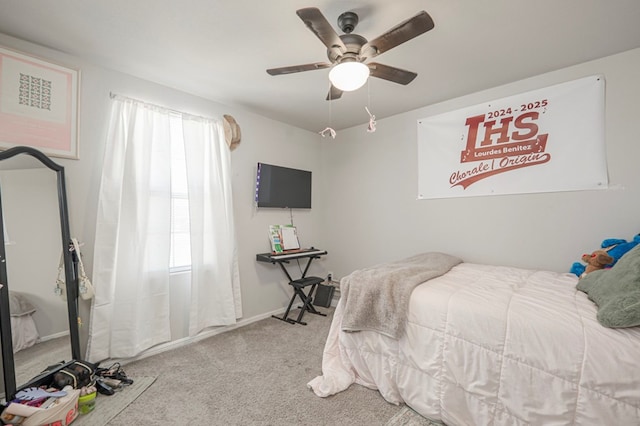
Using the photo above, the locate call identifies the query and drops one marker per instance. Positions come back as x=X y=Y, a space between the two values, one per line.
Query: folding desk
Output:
x=299 y=284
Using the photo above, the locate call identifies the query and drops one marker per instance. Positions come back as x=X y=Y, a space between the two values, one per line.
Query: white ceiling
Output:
x=220 y=49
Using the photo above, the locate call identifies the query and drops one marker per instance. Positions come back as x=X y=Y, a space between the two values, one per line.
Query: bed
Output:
x=489 y=345
x=23 y=327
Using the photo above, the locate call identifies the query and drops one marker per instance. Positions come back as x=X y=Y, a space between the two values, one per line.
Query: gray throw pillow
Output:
x=616 y=291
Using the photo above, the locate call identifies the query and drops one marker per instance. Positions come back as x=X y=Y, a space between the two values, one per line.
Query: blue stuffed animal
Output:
x=577 y=269
x=615 y=247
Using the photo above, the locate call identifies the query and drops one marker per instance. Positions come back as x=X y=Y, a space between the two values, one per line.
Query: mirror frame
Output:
x=70 y=273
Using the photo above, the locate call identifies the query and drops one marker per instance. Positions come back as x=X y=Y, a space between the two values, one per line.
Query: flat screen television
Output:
x=282 y=187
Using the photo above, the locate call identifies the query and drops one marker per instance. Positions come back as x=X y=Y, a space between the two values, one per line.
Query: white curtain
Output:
x=215 y=283
x=133 y=232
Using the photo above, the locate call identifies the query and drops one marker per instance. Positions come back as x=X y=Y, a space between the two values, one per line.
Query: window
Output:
x=180 y=240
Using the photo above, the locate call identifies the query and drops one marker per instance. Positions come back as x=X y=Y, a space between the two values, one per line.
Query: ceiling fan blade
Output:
x=318 y=24
x=334 y=93
x=397 y=75
x=298 y=68
x=405 y=31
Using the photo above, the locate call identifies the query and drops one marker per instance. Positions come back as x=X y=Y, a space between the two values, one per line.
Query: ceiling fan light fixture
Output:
x=349 y=76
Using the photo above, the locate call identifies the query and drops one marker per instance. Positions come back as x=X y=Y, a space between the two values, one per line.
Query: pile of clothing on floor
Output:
x=61 y=392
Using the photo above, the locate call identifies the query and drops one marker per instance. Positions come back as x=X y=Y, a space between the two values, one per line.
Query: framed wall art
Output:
x=38 y=105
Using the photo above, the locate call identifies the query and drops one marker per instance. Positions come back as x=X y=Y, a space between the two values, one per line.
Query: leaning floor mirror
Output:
x=38 y=320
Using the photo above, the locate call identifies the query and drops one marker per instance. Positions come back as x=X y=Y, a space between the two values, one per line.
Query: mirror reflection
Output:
x=39 y=321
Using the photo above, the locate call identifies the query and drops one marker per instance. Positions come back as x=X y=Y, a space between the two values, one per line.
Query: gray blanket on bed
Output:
x=377 y=298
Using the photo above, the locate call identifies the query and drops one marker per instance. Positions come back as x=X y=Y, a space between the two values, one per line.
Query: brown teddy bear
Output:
x=596 y=260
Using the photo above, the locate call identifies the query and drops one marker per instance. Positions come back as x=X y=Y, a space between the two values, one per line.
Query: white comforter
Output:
x=487 y=345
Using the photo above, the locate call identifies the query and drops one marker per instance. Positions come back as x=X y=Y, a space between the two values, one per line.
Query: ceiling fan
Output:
x=348 y=53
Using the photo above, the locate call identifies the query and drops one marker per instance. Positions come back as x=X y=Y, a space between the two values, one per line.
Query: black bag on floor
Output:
x=78 y=375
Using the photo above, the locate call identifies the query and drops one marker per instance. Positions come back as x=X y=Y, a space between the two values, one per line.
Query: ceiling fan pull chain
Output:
x=329 y=129
x=372 y=118
x=372 y=122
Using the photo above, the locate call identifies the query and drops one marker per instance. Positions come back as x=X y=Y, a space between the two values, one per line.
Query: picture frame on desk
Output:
x=38 y=104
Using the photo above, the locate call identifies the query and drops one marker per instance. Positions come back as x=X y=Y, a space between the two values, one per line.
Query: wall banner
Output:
x=546 y=140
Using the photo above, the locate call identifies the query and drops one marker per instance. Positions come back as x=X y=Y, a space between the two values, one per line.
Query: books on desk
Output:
x=283 y=237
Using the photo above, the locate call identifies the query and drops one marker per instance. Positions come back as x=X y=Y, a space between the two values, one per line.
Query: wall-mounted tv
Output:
x=283 y=187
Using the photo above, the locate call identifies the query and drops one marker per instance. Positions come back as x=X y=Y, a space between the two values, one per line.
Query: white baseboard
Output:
x=54 y=336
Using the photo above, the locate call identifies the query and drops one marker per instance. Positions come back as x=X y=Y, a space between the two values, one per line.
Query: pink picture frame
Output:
x=38 y=105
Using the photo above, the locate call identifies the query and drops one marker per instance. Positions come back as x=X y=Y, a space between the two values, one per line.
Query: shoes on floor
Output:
x=112 y=378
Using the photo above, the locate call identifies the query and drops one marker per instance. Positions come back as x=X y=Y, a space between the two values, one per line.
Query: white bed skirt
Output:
x=24 y=333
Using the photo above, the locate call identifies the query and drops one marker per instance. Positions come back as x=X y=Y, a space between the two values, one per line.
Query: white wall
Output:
x=264 y=289
x=371 y=213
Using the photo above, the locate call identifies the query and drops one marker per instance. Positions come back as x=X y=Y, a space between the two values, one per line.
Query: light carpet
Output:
x=109 y=406
x=255 y=375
